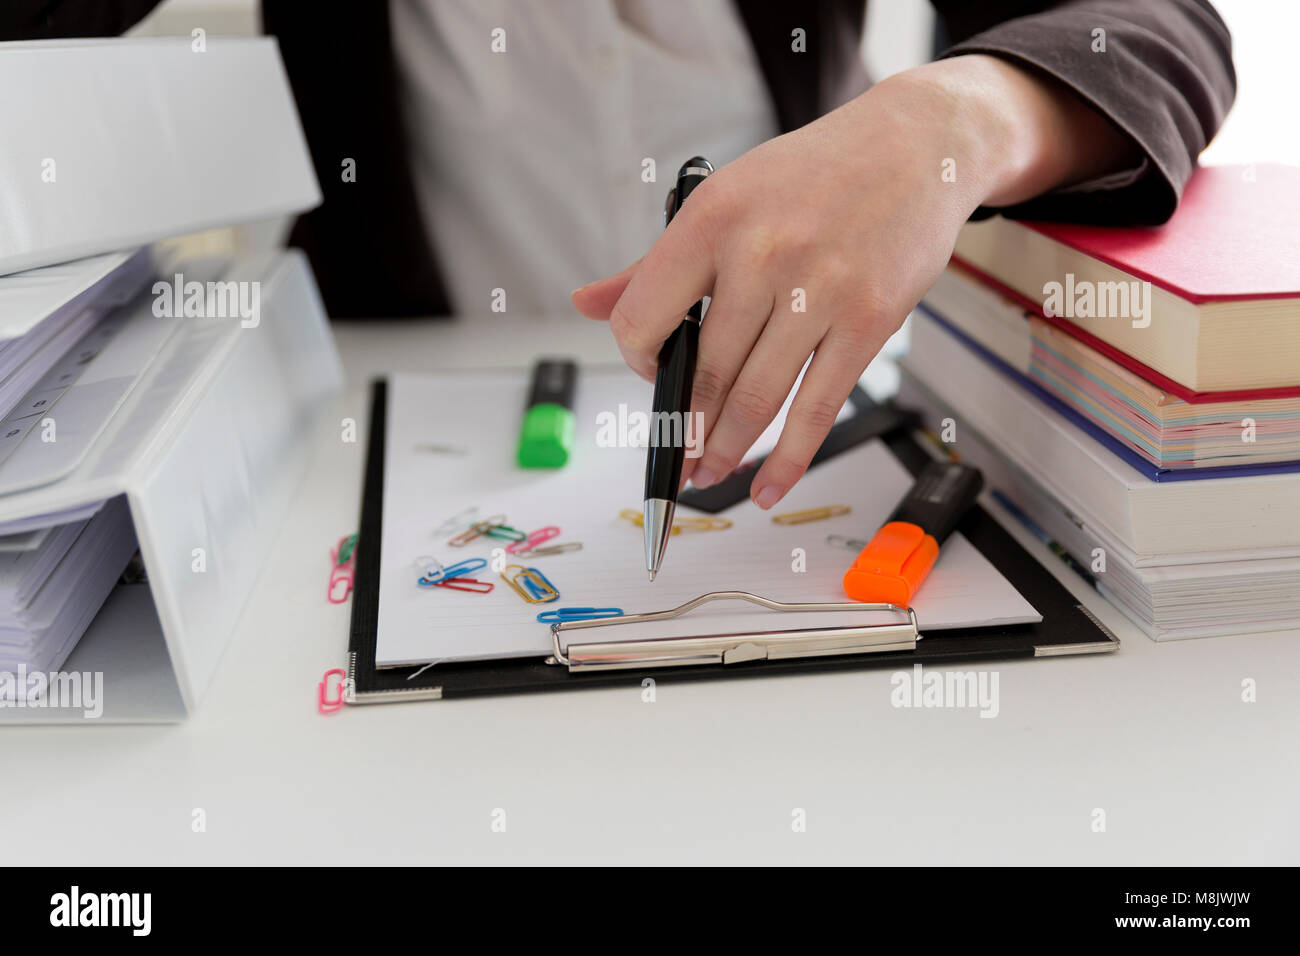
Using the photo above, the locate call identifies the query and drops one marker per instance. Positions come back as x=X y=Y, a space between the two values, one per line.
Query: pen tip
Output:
x=652 y=576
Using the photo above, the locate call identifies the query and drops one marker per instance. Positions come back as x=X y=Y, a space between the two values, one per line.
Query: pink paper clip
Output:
x=340 y=585
x=534 y=539
x=330 y=706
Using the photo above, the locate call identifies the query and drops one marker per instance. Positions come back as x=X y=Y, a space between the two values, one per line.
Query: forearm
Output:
x=1017 y=134
x=1160 y=71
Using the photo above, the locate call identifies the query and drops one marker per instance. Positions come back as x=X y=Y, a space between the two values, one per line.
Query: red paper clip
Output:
x=466 y=584
x=330 y=706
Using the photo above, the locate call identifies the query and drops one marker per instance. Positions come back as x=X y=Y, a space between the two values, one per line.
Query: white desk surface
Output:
x=1156 y=735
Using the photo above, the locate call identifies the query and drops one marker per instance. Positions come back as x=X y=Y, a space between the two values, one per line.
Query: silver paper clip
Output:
x=733 y=648
x=550 y=549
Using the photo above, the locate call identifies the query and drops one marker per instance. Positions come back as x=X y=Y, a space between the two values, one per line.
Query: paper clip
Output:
x=330 y=706
x=457 y=570
x=436 y=449
x=680 y=525
x=533 y=539
x=343 y=556
x=853 y=544
x=505 y=532
x=430 y=567
x=476 y=529
x=578 y=614
x=698 y=524
x=466 y=584
x=455 y=521
x=538 y=589
x=812 y=514
x=551 y=549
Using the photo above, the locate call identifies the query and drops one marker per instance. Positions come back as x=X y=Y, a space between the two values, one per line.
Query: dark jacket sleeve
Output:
x=1164 y=77
x=49 y=19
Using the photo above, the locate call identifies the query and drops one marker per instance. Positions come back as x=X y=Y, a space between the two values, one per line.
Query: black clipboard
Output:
x=1067 y=628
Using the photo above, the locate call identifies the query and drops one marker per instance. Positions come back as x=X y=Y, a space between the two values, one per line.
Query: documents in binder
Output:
x=174 y=435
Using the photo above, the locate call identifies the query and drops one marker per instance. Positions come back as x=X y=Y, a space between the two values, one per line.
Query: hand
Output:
x=820 y=242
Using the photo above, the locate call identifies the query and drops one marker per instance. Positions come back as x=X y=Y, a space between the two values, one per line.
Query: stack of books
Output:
x=1133 y=395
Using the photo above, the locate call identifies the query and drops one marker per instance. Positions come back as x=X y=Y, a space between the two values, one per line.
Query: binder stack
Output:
x=153 y=410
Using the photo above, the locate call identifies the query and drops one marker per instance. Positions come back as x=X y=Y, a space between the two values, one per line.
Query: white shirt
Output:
x=528 y=163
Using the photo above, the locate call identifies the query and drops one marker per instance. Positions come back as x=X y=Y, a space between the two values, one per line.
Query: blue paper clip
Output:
x=543 y=591
x=560 y=615
x=457 y=570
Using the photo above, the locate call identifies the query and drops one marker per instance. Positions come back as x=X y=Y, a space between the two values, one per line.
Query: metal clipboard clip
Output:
x=733 y=648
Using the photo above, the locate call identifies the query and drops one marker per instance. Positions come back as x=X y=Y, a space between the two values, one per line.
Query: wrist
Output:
x=946 y=128
x=1022 y=132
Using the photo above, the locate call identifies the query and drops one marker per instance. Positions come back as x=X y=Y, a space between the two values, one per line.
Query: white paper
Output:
x=478 y=418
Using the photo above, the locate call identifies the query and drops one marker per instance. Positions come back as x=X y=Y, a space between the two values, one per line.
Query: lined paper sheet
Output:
x=450 y=445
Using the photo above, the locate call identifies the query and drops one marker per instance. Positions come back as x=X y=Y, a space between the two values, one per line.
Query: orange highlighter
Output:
x=890 y=569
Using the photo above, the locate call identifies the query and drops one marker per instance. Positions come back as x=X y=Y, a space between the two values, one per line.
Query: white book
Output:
x=111 y=144
x=1193 y=595
x=988 y=317
x=1250 y=513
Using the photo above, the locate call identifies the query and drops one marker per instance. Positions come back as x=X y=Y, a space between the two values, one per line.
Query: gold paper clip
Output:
x=680 y=525
x=477 y=529
x=535 y=589
x=812 y=514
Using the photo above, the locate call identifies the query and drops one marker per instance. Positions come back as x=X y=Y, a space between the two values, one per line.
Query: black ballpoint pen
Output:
x=672 y=401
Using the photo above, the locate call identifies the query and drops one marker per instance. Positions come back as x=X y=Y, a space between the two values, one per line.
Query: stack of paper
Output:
x=50 y=592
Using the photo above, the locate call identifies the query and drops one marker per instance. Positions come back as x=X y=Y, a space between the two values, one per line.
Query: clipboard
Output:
x=1067 y=627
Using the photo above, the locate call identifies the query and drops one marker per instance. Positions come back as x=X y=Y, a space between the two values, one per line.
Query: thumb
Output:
x=596 y=299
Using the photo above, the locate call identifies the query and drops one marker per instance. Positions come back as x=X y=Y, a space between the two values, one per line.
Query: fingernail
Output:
x=701 y=477
x=768 y=496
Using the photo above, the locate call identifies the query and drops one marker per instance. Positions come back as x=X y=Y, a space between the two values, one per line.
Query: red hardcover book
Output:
x=1220 y=320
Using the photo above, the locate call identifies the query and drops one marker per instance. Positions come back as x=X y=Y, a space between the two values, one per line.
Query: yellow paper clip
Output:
x=812 y=514
x=680 y=525
x=535 y=589
x=477 y=529
x=709 y=523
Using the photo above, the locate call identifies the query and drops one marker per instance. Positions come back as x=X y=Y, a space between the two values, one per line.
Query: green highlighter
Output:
x=546 y=438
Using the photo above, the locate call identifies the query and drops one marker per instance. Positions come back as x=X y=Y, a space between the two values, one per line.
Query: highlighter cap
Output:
x=890 y=569
x=546 y=438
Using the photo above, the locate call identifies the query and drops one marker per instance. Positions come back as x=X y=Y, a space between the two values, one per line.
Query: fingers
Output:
x=676 y=273
x=739 y=308
x=757 y=394
x=596 y=299
x=836 y=367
